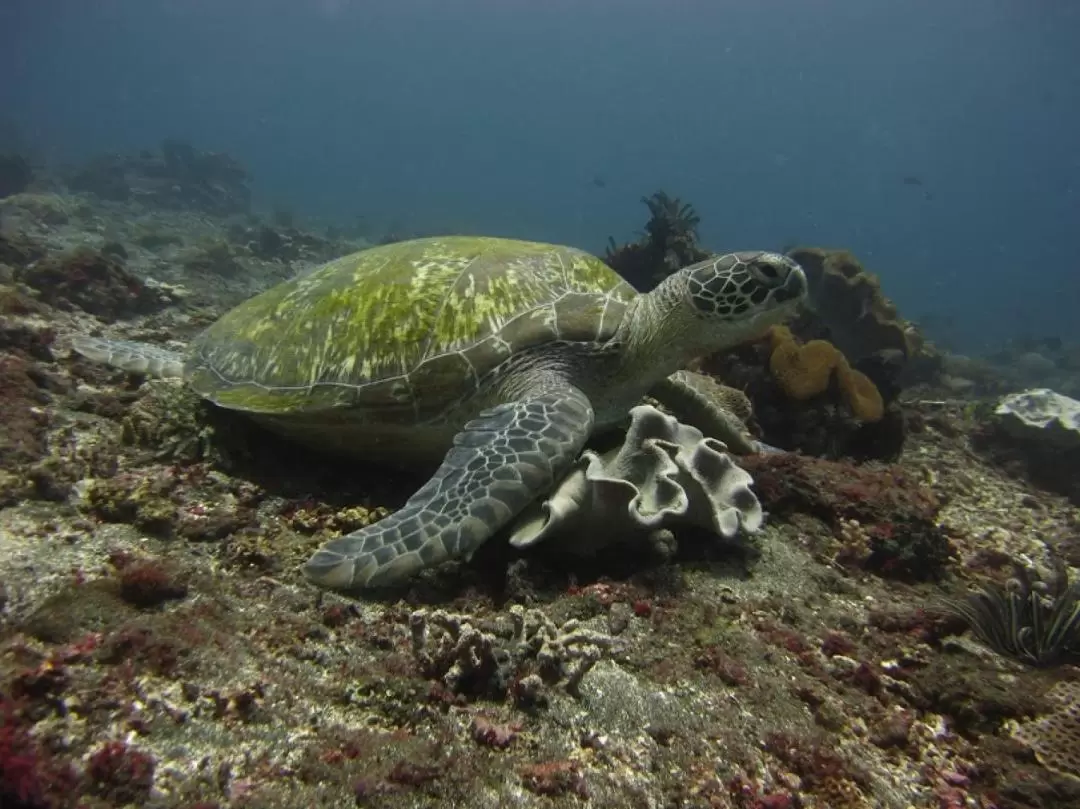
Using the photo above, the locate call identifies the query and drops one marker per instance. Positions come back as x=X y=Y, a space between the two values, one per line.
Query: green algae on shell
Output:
x=406 y=325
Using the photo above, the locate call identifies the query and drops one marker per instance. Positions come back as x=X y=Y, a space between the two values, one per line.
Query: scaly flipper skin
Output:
x=135 y=358
x=499 y=463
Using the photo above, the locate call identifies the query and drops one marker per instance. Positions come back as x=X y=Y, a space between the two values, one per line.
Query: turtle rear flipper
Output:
x=135 y=358
x=499 y=463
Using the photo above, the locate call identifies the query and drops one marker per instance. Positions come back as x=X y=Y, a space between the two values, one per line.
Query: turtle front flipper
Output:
x=498 y=464
x=135 y=358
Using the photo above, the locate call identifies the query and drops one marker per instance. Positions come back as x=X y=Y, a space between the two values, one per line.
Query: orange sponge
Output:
x=805 y=371
x=860 y=393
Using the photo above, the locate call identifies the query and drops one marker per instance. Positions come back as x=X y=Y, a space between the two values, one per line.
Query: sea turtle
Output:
x=498 y=356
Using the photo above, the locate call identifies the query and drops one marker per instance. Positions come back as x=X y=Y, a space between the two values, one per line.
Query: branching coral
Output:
x=465 y=657
x=1034 y=621
x=805 y=371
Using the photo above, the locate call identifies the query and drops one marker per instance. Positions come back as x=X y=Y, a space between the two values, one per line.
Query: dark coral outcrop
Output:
x=668 y=243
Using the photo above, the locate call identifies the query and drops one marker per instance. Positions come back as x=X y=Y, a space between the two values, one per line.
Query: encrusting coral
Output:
x=805 y=371
x=1055 y=737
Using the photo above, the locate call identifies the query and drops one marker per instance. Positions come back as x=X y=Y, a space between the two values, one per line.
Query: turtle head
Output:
x=710 y=306
x=736 y=297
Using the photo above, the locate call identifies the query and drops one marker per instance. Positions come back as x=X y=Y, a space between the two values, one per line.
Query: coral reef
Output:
x=30 y=775
x=159 y=648
x=18 y=250
x=153 y=236
x=849 y=308
x=213 y=257
x=1022 y=363
x=24 y=426
x=45 y=208
x=178 y=176
x=668 y=243
x=435 y=704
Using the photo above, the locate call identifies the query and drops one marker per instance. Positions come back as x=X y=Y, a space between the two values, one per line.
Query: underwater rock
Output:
x=93 y=281
x=1034 y=435
x=213 y=257
x=18 y=250
x=15 y=174
x=24 y=426
x=884 y=518
x=285 y=243
x=1042 y=416
x=849 y=302
x=180 y=177
x=664 y=474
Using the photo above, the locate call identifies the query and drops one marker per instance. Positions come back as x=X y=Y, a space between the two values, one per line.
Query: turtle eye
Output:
x=768 y=270
x=771 y=268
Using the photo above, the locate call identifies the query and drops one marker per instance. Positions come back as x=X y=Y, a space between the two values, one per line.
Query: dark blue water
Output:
x=935 y=138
